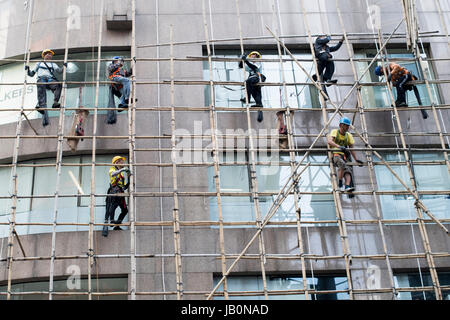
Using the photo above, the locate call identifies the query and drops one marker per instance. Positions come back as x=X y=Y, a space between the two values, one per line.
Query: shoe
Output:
x=340 y=184
x=40 y=110
x=242 y=100
x=330 y=82
x=314 y=77
x=122 y=106
x=117 y=228
x=349 y=189
x=105 y=231
x=56 y=105
x=424 y=114
x=260 y=116
x=402 y=104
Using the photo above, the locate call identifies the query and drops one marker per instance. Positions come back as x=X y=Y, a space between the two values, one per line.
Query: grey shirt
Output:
x=42 y=70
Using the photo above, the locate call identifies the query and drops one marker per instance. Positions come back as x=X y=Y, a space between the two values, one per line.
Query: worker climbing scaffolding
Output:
x=45 y=71
x=340 y=139
x=118 y=73
x=400 y=77
x=117 y=185
x=254 y=77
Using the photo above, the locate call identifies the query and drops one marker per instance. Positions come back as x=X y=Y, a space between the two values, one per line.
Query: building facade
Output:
x=205 y=175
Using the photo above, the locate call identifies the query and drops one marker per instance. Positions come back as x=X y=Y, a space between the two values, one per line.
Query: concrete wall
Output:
x=186 y=17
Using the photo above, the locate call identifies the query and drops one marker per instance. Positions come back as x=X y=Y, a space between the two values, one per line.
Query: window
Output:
x=235 y=178
x=76 y=94
x=41 y=181
x=284 y=283
x=104 y=285
x=416 y=280
x=378 y=96
x=229 y=96
x=428 y=178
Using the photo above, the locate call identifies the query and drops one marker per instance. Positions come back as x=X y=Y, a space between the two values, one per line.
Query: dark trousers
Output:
x=253 y=90
x=400 y=85
x=113 y=202
x=42 y=91
x=328 y=67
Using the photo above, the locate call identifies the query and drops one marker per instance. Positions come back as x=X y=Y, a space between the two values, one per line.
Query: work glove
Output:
x=65 y=64
x=343 y=149
x=244 y=57
x=27 y=68
x=360 y=163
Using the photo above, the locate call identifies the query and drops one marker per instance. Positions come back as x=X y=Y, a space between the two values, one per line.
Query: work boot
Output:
x=331 y=82
x=117 y=222
x=122 y=106
x=349 y=188
x=242 y=100
x=56 y=105
x=314 y=77
x=424 y=114
x=260 y=116
x=39 y=109
x=402 y=104
x=105 y=231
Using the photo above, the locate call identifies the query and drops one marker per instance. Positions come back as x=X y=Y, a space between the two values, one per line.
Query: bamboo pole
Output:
x=59 y=152
x=369 y=158
x=215 y=148
x=253 y=178
x=16 y=153
x=290 y=132
x=175 y=211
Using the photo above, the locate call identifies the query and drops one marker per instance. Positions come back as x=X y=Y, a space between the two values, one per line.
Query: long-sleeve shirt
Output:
x=116 y=179
x=43 y=71
x=320 y=46
x=117 y=69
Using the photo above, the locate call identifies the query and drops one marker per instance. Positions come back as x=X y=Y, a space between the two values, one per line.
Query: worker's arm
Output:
x=31 y=73
x=338 y=46
x=115 y=173
x=57 y=68
x=323 y=41
x=354 y=156
x=330 y=141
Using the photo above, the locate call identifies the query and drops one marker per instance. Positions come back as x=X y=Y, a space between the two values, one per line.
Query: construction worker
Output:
x=339 y=140
x=118 y=73
x=117 y=185
x=324 y=62
x=254 y=77
x=400 y=76
x=46 y=74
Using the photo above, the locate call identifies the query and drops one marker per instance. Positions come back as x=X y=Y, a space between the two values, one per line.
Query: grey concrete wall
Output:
x=187 y=20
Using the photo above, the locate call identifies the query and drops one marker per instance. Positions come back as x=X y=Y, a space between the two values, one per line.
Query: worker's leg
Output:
x=320 y=67
x=257 y=95
x=401 y=90
x=123 y=213
x=247 y=92
x=42 y=94
x=125 y=90
x=329 y=70
x=416 y=93
x=56 y=89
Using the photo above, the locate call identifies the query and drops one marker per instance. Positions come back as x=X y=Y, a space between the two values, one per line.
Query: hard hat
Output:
x=117 y=158
x=255 y=52
x=345 y=120
x=379 y=71
x=47 y=51
x=117 y=58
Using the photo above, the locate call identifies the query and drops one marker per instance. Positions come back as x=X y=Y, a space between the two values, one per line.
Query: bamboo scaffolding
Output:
x=291 y=146
x=215 y=154
x=253 y=178
x=59 y=159
x=16 y=154
x=361 y=109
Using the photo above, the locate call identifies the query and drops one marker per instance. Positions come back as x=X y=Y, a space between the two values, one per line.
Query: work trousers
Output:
x=42 y=91
x=125 y=90
x=253 y=90
x=113 y=202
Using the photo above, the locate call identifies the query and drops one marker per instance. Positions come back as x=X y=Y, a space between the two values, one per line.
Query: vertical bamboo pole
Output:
x=215 y=147
x=336 y=195
x=253 y=178
x=176 y=218
x=419 y=209
x=360 y=108
x=59 y=152
x=291 y=143
x=12 y=222
x=132 y=156
x=94 y=146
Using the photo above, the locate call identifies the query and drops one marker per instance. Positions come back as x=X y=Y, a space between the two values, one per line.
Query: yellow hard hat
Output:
x=117 y=158
x=255 y=52
x=47 y=51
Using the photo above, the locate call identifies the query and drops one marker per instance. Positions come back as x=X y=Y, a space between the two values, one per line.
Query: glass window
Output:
x=428 y=178
x=40 y=182
x=378 y=96
x=273 y=96
x=415 y=280
x=284 y=283
x=235 y=178
x=98 y=285
x=76 y=94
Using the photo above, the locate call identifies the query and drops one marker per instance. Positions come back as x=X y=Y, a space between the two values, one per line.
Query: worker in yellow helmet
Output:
x=254 y=77
x=117 y=185
x=45 y=77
